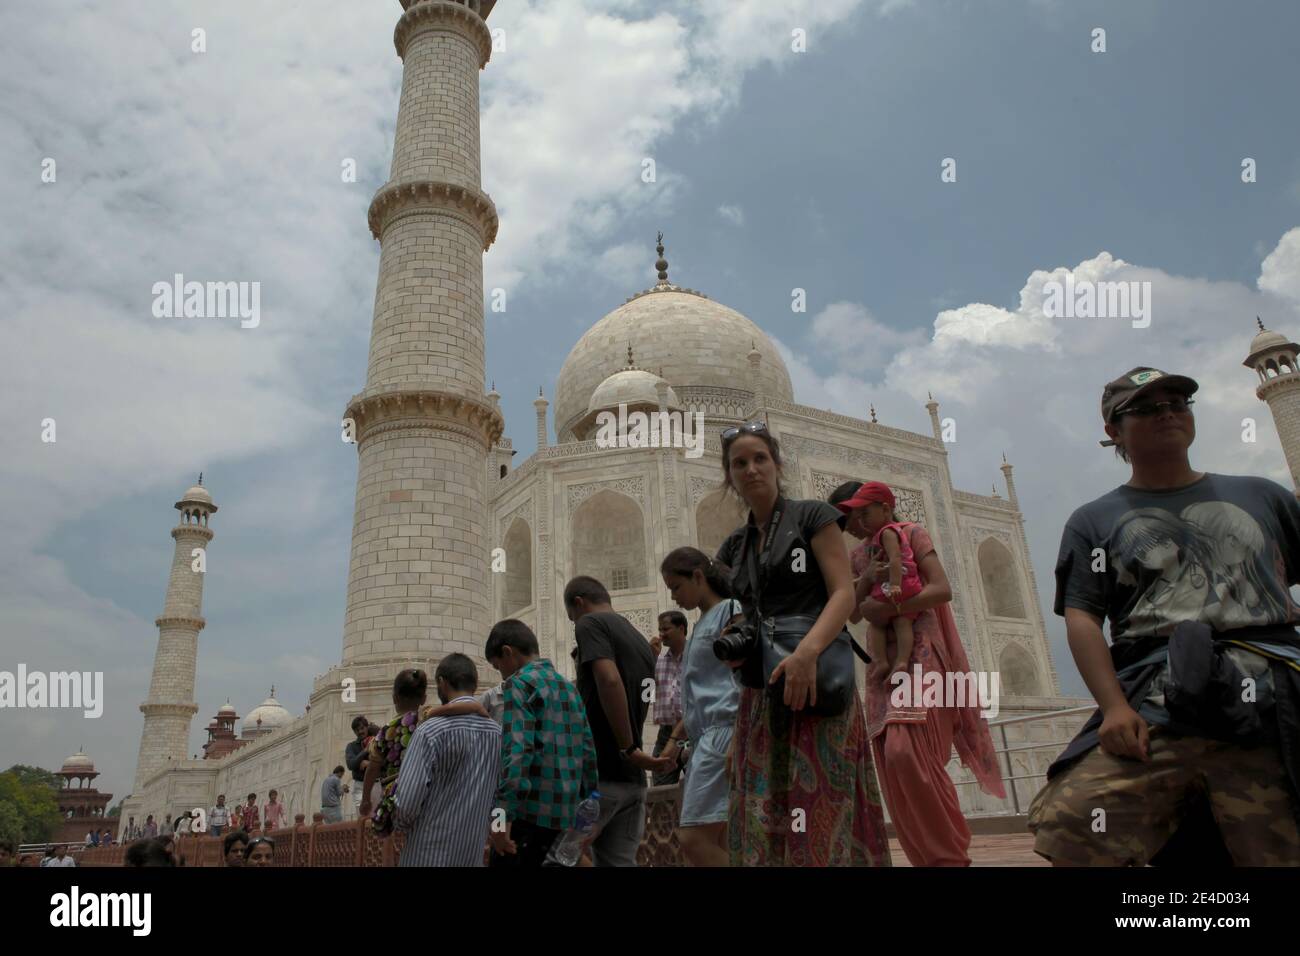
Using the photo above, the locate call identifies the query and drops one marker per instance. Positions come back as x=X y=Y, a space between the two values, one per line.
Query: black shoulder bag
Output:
x=779 y=635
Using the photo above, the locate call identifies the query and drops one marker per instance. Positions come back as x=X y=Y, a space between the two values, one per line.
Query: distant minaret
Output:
x=170 y=704
x=1273 y=358
x=418 y=582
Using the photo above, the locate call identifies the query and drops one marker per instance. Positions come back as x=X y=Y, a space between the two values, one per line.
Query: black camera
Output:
x=736 y=642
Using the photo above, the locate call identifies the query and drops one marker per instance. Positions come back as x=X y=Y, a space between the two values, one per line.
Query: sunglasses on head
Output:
x=749 y=428
x=1178 y=406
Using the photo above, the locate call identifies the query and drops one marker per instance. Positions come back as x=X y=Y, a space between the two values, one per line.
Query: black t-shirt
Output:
x=608 y=636
x=792 y=581
x=1223 y=550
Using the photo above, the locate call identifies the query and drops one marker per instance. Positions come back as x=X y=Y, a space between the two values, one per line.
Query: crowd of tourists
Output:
x=782 y=762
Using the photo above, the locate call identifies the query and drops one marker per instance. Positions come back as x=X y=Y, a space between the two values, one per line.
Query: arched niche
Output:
x=609 y=544
x=1001 y=585
x=518 y=591
x=1018 y=677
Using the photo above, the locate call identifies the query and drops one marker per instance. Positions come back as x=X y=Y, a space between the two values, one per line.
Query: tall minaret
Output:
x=170 y=704
x=1273 y=358
x=418 y=582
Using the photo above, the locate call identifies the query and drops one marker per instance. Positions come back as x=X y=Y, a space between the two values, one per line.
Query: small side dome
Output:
x=631 y=386
x=78 y=763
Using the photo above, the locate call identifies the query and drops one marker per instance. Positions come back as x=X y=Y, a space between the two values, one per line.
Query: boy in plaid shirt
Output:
x=548 y=755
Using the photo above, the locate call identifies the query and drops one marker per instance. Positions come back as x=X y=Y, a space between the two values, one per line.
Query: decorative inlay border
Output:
x=398 y=200
x=180 y=620
x=701 y=487
x=633 y=487
x=642 y=618
x=169 y=710
x=425 y=15
x=858 y=424
x=408 y=408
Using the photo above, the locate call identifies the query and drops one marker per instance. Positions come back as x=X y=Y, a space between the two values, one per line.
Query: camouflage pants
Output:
x=1114 y=811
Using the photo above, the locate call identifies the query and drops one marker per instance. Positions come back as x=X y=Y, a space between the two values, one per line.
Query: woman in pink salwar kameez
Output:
x=912 y=744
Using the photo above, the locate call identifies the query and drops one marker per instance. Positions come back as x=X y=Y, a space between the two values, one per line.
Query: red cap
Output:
x=871 y=491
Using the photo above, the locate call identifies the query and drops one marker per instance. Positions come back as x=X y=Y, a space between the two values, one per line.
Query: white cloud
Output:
x=733 y=214
x=1280 y=272
x=1018 y=382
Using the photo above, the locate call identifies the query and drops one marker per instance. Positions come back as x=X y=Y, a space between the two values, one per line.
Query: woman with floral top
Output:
x=389 y=743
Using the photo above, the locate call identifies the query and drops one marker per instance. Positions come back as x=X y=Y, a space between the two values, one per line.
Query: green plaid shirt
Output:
x=548 y=756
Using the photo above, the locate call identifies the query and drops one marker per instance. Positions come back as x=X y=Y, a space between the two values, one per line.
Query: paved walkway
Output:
x=1001 y=849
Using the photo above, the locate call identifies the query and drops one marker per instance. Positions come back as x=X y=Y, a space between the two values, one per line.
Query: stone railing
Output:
x=351 y=843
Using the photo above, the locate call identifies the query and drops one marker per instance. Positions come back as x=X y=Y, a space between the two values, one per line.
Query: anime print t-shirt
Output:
x=1223 y=550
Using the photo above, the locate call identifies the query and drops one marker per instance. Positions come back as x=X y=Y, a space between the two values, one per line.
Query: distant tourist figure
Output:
x=332 y=789
x=448 y=777
x=273 y=811
x=615 y=669
x=354 y=756
x=789 y=761
x=1193 y=571
x=233 y=847
x=710 y=700
x=248 y=815
x=260 y=852
x=182 y=826
x=219 y=816
x=666 y=711
x=150 y=829
x=105 y=838
x=548 y=755
x=92 y=839
x=912 y=743
x=61 y=857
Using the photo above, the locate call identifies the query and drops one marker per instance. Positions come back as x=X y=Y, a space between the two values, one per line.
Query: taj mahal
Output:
x=450 y=534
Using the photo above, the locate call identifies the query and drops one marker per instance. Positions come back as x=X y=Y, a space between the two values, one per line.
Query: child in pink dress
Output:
x=889 y=538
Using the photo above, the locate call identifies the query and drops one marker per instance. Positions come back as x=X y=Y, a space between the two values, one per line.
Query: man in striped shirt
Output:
x=548 y=754
x=448 y=778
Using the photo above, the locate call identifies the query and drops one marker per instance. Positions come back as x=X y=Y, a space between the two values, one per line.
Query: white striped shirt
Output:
x=446 y=789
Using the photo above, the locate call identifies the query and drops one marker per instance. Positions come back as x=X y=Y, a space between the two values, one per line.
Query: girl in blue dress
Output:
x=710 y=698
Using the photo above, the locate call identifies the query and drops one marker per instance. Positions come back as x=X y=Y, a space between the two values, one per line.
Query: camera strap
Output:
x=763 y=563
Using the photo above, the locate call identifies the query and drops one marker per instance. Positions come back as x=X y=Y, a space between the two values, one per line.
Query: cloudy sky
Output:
x=776 y=169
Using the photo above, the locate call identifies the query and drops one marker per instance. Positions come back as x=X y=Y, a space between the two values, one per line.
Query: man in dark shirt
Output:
x=355 y=758
x=616 y=682
x=1176 y=549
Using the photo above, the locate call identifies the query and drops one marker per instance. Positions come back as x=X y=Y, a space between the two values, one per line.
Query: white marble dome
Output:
x=631 y=386
x=271 y=714
x=197 y=493
x=691 y=340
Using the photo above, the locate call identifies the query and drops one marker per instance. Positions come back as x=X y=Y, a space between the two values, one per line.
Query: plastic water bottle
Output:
x=570 y=848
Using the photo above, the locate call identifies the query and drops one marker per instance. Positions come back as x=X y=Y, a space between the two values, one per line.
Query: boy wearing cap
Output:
x=1198 y=692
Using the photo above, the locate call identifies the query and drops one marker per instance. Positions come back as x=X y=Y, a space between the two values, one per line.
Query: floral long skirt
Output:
x=803 y=788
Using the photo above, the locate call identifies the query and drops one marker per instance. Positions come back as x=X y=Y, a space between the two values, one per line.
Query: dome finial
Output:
x=873 y=415
x=272 y=690
x=661 y=263
x=201 y=474
x=1260 y=323
x=630 y=363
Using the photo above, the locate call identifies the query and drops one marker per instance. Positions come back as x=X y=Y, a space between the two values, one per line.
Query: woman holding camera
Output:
x=803 y=790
